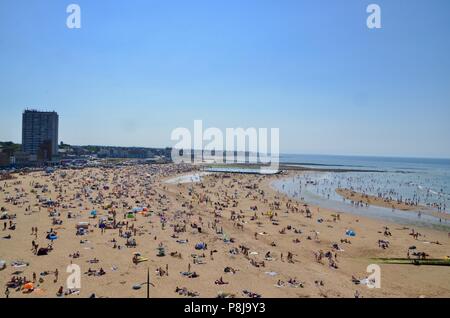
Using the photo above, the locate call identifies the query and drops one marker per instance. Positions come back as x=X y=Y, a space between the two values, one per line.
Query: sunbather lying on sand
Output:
x=220 y=281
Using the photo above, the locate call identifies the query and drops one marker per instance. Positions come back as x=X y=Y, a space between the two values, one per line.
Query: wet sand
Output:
x=229 y=209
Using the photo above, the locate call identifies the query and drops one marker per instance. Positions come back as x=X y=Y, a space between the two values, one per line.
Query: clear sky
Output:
x=137 y=69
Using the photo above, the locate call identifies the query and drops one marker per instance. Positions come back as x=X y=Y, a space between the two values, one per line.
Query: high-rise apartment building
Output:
x=40 y=134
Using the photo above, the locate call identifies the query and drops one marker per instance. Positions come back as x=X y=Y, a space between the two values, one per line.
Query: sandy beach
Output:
x=226 y=235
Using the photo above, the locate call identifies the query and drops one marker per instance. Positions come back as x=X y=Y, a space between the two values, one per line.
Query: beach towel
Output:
x=272 y=273
x=18 y=264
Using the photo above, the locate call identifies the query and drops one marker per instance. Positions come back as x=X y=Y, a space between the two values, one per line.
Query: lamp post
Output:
x=148 y=283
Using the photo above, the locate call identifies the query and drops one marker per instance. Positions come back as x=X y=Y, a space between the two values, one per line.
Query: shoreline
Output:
x=392 y=204
x=411 y=223
x=359 y=197
x=426 y=217
x=233 y=211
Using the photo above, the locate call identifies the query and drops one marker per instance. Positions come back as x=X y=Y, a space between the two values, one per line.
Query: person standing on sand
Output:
x=56 y=275
x=7 y=292
x=60 y=291
x=290 y=257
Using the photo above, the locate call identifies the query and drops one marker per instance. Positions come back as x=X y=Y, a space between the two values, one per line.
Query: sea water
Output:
x=425 y=182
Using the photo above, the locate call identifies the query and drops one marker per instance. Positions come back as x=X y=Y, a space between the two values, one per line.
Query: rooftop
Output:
x=39 y=111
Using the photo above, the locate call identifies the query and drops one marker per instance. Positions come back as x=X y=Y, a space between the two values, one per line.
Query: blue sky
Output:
x=138 y=69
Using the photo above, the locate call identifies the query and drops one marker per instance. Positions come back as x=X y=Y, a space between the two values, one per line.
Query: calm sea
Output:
x=424 y=181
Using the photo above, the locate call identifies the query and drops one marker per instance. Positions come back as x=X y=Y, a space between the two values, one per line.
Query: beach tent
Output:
x=49 y=202
x=83 y=225
x=200 y=246
x=350 y=233
x=94 y=213
x=4 y=216
x=81 y=231
x=161 y=252
x=2 y=264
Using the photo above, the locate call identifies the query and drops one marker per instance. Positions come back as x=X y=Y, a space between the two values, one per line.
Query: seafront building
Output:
x=40 y=134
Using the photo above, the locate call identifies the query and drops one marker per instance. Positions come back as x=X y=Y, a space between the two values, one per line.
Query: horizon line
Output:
x=281 y=154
